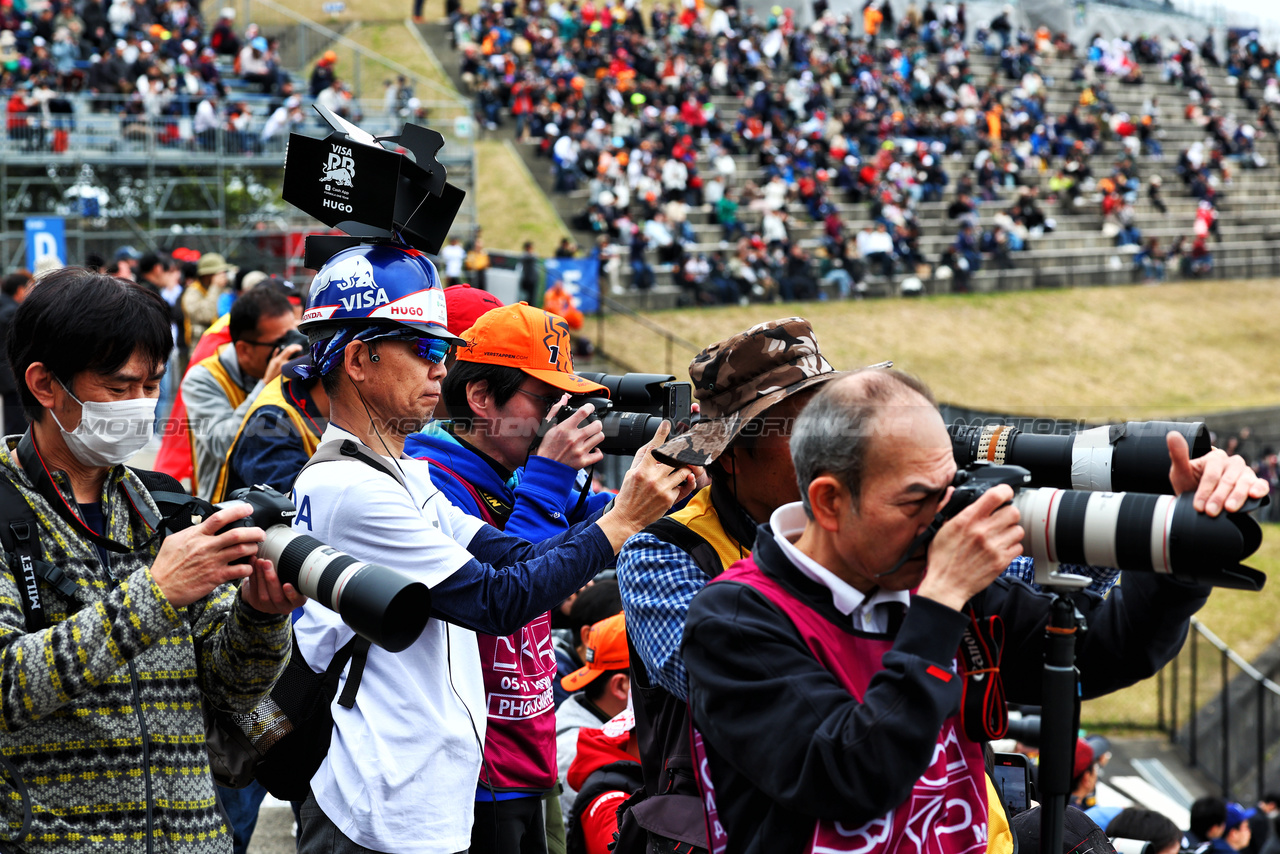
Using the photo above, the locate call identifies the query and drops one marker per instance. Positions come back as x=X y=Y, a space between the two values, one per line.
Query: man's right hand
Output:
x=192 y=563
x=571 y=442
x=278 y=361
x=648 y=491
x=972 y=549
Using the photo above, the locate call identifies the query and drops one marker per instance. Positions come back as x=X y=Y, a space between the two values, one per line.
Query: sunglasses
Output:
x=434 y=350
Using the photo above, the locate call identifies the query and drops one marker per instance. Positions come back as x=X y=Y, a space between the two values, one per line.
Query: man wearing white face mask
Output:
x=113 y=638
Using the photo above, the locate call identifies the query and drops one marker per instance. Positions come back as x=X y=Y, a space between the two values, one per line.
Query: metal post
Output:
x=1261 y=746
x=1226 y=732
x=1160 y=698
x=1173 y=704
x=1195 y=695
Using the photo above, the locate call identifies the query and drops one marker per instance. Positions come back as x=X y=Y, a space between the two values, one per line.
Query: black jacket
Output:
x=8 y=308
x=787 y=744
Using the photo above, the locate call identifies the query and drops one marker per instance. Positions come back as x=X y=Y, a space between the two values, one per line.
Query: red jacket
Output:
x=599 y=818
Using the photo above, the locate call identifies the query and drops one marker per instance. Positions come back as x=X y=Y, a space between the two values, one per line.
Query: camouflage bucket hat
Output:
x=737 y=379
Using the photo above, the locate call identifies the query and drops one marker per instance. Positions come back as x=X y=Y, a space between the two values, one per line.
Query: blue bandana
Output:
x=327 y=354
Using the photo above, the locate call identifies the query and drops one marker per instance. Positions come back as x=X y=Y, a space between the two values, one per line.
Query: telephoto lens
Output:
x=1130 y=457
x=1142 y=532
x=382 y=605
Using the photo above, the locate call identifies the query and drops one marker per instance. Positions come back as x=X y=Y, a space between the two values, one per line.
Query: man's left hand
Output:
x=262 y=591
x=1221 y=482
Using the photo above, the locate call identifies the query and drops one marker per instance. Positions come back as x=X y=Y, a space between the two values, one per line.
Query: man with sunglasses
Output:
x=502 y=458
x=402 y=768
x=219 y=390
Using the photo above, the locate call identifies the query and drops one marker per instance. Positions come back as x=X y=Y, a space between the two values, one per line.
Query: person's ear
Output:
x=479 y=398
x=828 y=500
x=619 y=687
x=41 y=382
x=356 y=360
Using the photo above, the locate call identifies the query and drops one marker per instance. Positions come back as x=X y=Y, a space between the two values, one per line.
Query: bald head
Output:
x=834 y=433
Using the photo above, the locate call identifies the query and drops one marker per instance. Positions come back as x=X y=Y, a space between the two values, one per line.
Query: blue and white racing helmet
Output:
x=377 y=285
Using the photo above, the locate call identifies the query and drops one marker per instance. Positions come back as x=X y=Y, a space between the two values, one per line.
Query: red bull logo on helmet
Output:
x=351 y=281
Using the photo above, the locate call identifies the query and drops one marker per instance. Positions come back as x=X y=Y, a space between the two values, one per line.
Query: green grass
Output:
x=1246 y=621
x=510 y=206
x=1096 y=353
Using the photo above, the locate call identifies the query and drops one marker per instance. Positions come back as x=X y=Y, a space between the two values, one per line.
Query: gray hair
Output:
x=833 y=433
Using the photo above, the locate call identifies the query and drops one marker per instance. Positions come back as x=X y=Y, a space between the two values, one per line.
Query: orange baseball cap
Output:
x=533 y=340
x=606 y=643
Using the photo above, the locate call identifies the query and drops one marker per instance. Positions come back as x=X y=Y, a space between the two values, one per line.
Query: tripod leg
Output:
x=1060 y=710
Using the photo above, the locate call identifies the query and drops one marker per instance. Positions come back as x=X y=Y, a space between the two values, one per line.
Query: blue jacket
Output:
x=542 y=496
x=543 y=493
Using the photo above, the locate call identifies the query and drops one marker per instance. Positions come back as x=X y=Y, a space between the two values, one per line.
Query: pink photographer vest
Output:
x=946 y=812
x=520 y=744
x=520 y=733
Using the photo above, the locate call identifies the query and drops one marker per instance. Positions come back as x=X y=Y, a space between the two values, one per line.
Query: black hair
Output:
x=1207 y=813
x=1147 y=825
x=12 y=283
x=251 y=307
x=152 y=260
x=190 y=270
x=76 y=320
x=598 y=602
x=503 y=381
x=94 y=261
x=595 y=688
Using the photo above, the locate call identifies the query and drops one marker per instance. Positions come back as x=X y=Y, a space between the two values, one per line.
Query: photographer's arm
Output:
x=1132 y=633
x=43 y=671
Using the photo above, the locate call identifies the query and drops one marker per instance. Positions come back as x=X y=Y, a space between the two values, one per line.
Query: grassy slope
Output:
x=1246 y=621
x=1098 y=353
x=509 y=205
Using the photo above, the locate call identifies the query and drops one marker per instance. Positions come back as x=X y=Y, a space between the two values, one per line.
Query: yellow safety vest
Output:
x=700 y=517
x=272 y=394
x=230 y=388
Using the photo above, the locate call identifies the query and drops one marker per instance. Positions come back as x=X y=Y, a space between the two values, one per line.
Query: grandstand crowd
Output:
x=852 y=122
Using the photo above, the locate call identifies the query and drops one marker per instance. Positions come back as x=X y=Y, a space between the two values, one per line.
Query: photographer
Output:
x=279 y=433
x=219 y=390
x=107 y=661
x=512 y=374
x=825 y=690
x=405 y=758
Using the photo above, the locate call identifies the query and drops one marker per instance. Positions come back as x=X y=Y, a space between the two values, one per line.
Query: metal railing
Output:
x=669 y=338
x=1231 y=736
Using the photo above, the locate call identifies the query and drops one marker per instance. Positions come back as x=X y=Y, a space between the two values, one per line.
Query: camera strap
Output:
x=983 y=710
x=41 y=478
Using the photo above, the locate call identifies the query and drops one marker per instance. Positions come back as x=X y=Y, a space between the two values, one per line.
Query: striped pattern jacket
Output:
x=102 y=712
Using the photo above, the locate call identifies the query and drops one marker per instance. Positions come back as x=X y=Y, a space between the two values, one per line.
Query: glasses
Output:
x=434 y=350
x=548 y=401
x=282 y=341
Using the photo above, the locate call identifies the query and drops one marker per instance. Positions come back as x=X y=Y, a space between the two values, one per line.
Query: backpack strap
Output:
x=19 y=534
x=351 y=450
x=688 y=540
x=356 y=651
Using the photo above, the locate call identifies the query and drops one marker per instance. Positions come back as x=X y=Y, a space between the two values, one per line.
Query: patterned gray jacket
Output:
x=102 y=712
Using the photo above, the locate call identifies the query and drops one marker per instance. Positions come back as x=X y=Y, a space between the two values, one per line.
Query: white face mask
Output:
x=110 y=432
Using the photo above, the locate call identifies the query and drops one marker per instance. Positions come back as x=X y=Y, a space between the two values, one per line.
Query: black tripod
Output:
x=1060 y=710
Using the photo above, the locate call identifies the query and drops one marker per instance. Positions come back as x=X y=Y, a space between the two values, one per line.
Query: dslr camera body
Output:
x=636 y=406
